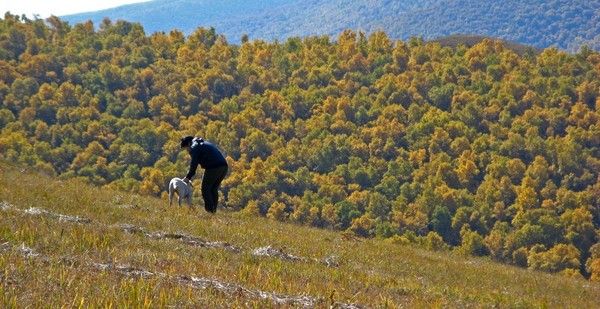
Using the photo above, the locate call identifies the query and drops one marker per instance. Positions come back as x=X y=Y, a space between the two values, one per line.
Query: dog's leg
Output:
x=190 y=193
x=179 y=198
x=189 y=199
x=170 y=195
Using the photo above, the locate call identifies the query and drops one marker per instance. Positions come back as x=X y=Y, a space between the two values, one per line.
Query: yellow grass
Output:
x=62 y=267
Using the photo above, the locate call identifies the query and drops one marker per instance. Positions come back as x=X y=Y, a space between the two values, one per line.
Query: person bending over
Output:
x=212 y=161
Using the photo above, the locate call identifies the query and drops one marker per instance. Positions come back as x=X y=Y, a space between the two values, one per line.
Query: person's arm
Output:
x=192 y=170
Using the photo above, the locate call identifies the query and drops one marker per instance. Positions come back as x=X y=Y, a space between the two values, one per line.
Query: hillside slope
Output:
x=494 y=152
x=94 y=247
x=563 y=23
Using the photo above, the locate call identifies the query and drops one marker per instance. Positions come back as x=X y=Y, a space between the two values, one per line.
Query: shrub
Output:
x=558 y=258
x=433 y=241
x=471 y=243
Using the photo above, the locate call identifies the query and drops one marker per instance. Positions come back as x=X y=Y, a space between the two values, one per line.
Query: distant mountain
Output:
x=567 y=24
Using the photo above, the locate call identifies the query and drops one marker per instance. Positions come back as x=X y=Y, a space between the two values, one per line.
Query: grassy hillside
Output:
x=64 y=243
x=563 y=23
x=476 y=147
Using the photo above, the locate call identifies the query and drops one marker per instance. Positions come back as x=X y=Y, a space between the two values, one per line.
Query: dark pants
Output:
x=210 y=187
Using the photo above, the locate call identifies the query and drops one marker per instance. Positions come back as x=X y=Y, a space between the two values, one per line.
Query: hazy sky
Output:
x=45 y=8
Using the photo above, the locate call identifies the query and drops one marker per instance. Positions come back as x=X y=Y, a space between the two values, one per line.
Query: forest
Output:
x=474 y=149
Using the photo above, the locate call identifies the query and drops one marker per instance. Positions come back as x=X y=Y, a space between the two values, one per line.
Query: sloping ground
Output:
x=66 y=243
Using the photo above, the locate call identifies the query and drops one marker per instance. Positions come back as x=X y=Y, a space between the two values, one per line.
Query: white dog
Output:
x=184 y=191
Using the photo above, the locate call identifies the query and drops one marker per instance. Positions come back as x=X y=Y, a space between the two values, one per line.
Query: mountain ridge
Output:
x=566 y=24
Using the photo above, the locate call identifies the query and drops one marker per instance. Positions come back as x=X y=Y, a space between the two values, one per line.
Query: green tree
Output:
x=556 y=259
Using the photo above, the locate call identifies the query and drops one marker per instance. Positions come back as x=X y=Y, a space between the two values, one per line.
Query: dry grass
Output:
x=371 y=273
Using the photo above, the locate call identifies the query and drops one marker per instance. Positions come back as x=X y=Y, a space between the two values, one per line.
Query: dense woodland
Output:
x=478 y=150
x=566 y=24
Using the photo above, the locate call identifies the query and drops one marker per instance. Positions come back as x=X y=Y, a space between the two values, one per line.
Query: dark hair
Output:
x=186 y=141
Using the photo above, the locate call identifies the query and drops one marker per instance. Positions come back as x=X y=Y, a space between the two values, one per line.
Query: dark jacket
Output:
x=205 y=154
